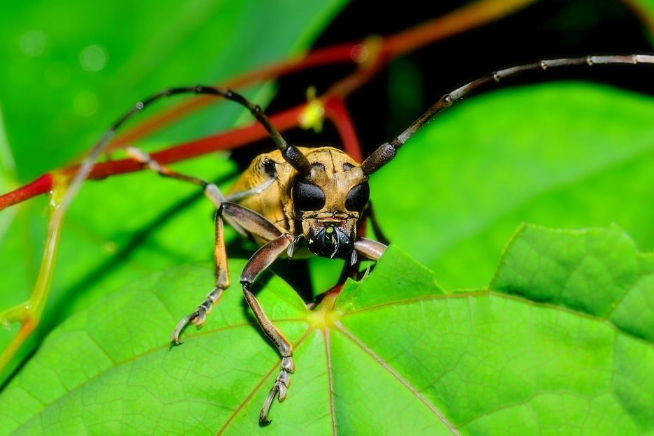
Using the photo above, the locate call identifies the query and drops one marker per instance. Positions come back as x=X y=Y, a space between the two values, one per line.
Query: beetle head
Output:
x=329 y=201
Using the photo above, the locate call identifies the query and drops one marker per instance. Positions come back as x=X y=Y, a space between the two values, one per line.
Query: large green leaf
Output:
x=125 y=227
x=75 y=66
x=560 y=154
x=561 y=343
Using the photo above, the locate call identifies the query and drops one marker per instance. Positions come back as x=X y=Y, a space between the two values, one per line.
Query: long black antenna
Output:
x=387 y=151
x=290 y=153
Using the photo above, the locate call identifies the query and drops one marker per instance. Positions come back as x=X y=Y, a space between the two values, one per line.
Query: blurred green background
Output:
x=562 y=153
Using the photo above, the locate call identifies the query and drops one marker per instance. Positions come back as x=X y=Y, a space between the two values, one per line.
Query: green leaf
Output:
x=560 y=343
x=566 y=155
x=114 y=354
x=125 y=227
x=57 y=104
x=597 y=272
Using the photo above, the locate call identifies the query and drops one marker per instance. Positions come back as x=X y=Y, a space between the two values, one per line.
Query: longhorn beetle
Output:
x=300 y=201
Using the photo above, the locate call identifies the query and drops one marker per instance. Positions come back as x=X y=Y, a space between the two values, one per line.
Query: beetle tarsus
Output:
x=263 y=415
x=198 y=316
x=181 y=325
x=282 y=382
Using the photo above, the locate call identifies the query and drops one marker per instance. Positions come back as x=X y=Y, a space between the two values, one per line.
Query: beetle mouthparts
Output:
x=331 y=241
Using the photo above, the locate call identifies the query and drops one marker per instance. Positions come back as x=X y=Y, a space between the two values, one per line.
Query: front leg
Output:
x=369 y=249
x=251 y=222
x=199 y=315
x=261 y=260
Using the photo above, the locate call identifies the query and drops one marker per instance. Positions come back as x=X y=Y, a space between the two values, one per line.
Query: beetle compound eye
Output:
x=358 y=197
x=307 y=196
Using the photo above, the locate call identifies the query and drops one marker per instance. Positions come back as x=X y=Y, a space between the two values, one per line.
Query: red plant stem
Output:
x=475 y=14
x=467 y=17
x=228 y=140
x=222 y=141
x=42 y=185
x=460 y=20
x=337 y=113
x=330 y=55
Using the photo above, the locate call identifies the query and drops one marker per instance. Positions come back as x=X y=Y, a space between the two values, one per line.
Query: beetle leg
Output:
x=351 y=266
x=199 y=316
x=238 y=196
x=363 y=247
x=254 y=224
x=251 y=222
x=369 y=213
x=261 y=260
x=369 y=249
x=240 y=217
x=210 y=190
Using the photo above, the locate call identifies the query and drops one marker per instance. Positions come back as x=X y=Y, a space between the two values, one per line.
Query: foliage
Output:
x=560 y=341
x=564 y=155
x=550 y=346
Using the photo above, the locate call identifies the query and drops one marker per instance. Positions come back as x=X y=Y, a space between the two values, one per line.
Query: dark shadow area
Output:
x=399 y=94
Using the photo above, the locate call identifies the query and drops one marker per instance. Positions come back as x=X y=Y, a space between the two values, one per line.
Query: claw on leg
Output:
x=282 y=382
x=174 y=337
x=199 y=316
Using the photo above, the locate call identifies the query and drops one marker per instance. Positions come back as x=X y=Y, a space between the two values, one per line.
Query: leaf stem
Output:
x=41 y=185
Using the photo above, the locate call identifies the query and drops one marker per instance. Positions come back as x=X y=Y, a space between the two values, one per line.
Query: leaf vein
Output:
x=328 y=358
x=399 y=378
x=256 y=388
x=522 y=299
x=131 y=360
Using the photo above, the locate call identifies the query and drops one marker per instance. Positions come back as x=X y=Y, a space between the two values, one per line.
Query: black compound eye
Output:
x=307 y=196
x=358 y=197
